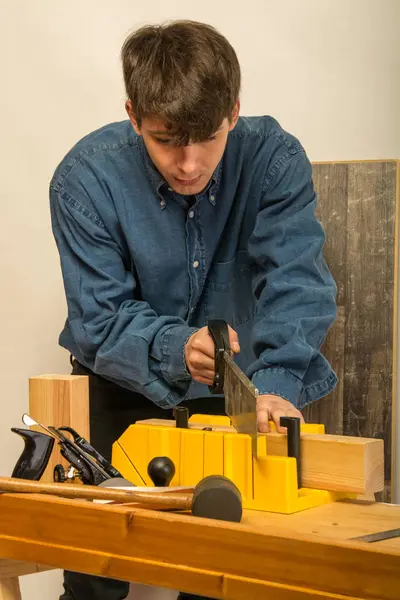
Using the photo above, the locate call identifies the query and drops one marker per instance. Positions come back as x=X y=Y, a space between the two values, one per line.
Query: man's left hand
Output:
x=272 y=408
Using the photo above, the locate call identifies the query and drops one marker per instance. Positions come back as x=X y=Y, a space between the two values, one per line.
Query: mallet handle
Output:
x=162 y=501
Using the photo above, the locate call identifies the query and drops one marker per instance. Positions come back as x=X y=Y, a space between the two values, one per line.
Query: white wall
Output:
x=327 y=70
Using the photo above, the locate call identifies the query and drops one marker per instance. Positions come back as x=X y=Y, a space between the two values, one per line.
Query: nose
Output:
x=187 y=161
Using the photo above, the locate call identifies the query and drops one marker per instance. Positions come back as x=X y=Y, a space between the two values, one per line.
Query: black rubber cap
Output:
x=217 y=497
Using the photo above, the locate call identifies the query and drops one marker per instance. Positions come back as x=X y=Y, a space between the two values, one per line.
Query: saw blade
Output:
x=240 y=401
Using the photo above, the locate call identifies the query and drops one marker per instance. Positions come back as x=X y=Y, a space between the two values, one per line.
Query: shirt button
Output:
x=170 y=189
x=191 y=214
x=212 y=198
x=196 y=264
x=162 y=203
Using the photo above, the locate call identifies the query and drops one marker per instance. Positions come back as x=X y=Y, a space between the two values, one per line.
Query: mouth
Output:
x=188 y=182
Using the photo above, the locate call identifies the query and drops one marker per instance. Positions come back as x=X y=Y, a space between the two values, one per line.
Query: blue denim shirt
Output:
x=142 y=271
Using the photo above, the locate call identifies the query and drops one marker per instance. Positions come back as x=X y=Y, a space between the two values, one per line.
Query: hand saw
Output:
x=240 y=394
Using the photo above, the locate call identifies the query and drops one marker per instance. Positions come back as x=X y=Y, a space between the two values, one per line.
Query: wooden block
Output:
x=9 y=589
x=60 y=400
x=330 y=462
x=337 y=462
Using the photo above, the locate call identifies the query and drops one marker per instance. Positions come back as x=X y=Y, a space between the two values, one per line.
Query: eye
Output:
x=163 y=141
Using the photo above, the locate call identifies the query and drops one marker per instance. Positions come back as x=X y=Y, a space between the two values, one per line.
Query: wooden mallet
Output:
x=214 y=497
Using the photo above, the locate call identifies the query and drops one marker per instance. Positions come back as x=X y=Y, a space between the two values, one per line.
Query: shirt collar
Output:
x=158 y=182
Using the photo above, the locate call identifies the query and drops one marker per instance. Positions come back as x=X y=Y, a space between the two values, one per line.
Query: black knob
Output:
x=161 y=470
x=293 y=442
x=181 y=414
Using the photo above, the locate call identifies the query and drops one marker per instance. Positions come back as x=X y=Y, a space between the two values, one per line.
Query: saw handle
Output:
x=218 y=329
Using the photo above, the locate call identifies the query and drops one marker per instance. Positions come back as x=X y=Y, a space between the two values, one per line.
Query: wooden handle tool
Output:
x=214 y=497
x=91 y=492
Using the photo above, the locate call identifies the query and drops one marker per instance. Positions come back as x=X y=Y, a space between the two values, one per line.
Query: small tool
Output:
x=240 y=394
x=90 y=466
x=378 y=536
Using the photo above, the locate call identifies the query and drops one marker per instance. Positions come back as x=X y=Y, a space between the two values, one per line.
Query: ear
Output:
x=131 y=115
x=235 y=115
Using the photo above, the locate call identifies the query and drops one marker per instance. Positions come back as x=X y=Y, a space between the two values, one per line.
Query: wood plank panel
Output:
x=367 y=398
x=330 y=182
x=357 y=207
x=209 y=584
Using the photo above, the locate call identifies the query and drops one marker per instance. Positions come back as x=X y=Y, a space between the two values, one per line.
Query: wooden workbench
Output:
x=304 y=556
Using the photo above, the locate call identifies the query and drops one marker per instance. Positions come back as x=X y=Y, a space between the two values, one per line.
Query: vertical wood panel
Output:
x=330 y=182
x=367 y=401
x=357 y=206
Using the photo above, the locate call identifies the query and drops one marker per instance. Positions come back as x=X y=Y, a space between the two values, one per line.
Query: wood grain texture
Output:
x=370 y=303
x=330 y=462
x=139 y=545
x=16 y=568
x=60 y=400
x=155 y=500
x=357 y=207
x=330 y=181
x=9 y=589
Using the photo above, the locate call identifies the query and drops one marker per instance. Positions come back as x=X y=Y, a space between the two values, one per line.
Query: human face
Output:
x=186 y=169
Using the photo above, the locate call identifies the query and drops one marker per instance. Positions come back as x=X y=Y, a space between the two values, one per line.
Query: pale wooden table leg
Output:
x=9 y=589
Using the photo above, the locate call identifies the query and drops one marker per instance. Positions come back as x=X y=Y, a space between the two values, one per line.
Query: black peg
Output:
x=181 y=414
x=293 y=442
x=161 y=470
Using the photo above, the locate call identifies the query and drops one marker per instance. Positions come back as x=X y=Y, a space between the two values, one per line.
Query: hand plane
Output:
x=85 y=462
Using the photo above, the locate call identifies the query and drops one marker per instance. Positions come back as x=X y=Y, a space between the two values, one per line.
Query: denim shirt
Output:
x=143 y=270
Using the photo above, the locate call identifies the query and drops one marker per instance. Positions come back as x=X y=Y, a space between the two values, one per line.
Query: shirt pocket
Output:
x=220 y=277
x=229 y=291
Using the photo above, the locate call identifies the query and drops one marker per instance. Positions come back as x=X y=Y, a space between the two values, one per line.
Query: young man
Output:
x=183 y=213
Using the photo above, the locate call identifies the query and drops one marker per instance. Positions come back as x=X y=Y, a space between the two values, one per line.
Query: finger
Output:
x=276 y=417
x=205 y=380
x=233 y=340
x=201 y=361
x=263 y=421
x=293 y=412
x=204 y=344
x=205 y=373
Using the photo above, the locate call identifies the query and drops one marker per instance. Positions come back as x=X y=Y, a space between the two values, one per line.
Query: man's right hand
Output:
x=200 y=354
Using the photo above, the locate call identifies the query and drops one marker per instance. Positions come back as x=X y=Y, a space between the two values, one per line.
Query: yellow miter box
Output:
x=266 y=482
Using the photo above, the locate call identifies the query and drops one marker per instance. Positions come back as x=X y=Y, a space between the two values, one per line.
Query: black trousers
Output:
x=112 y=410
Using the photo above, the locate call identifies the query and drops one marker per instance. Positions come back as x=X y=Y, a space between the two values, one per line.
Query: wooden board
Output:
x=357 y=206
x=337 y=463
x=295 y=557
x=17 y=568
x=60 y=400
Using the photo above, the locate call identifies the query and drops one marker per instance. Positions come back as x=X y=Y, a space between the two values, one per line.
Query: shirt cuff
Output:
x=173 y=364
x=280 y=382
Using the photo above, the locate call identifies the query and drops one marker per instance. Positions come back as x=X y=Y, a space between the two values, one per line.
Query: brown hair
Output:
x=185 y=73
